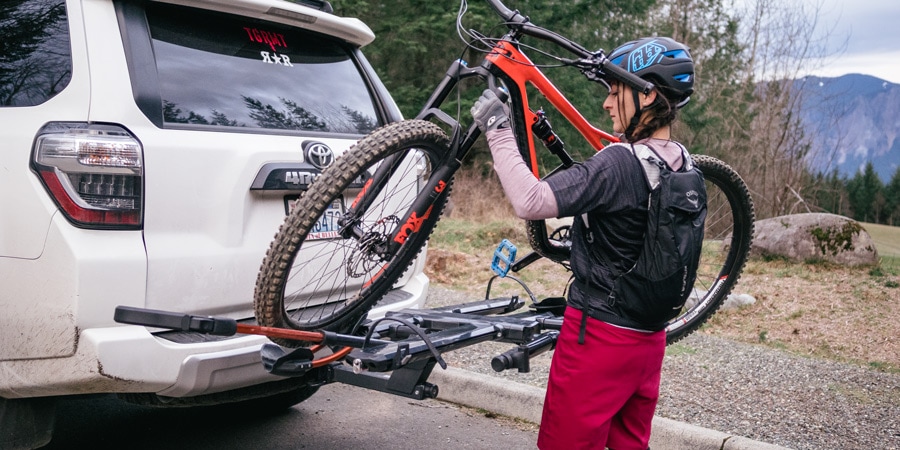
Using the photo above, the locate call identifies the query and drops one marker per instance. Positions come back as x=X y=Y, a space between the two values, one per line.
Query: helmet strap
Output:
x=636 y=118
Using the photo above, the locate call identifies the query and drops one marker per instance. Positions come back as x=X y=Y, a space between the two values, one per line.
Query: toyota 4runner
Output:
x=150 y=150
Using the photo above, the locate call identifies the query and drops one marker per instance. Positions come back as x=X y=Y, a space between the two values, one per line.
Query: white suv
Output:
x=150 y=150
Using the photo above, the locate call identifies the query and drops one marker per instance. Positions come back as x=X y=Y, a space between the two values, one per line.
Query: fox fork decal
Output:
x=412 y=225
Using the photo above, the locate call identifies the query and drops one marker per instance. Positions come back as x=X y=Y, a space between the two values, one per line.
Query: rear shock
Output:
x=544 y=131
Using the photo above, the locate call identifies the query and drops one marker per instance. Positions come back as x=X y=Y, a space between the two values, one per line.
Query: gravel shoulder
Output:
x=748 y=390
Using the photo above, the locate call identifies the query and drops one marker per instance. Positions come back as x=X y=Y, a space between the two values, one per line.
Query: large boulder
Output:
x=815 y=236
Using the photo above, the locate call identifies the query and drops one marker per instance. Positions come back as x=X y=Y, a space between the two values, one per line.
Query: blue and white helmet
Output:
x=661 y=60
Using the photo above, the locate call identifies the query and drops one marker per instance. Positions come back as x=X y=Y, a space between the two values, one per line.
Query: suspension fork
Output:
x=422 y=207
x=437 y=184
x=436 y=188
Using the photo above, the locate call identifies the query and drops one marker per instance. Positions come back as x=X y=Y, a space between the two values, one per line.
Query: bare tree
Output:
x=34 y=51
x=750 y=59
x=717 y=120
x=783 y=38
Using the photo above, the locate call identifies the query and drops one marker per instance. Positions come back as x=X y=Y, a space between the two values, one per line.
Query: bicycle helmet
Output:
x=661 y=60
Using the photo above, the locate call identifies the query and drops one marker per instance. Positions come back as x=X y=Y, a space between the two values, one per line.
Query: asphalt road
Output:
x=337 y=417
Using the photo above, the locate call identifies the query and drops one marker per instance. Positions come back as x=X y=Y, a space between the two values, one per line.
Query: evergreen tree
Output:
x=892 y=195
x=866 y=199
x=294 y=117
x=830 y=193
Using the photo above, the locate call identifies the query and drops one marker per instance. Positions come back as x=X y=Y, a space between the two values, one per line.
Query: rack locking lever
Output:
x=176 y=321
x=218 y=326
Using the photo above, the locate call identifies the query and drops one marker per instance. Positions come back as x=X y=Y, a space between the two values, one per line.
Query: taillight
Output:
x=94 y=172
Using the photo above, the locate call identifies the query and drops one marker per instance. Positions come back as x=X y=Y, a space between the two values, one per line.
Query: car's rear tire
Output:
x=260 y=399
x=27 y=422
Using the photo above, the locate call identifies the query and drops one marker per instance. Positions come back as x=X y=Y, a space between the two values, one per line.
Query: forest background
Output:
x=747 y=108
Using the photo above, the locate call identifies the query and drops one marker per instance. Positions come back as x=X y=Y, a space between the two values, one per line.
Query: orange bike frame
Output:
x=512 y=62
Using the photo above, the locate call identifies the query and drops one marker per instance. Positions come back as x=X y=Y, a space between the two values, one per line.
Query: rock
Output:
x=815 y=236
x=737 y=301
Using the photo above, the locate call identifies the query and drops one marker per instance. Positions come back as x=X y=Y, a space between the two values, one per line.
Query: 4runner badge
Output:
x=318 y=154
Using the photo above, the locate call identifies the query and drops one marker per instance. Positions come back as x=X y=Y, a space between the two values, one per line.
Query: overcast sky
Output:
x=871 y=31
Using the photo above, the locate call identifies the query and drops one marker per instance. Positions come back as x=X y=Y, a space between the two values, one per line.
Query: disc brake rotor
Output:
x=366 y=257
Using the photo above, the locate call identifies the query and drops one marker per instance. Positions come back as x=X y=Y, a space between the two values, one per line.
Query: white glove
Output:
x=489 y=112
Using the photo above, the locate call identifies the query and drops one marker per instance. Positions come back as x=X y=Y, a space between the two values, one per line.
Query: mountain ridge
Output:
x=851 y=120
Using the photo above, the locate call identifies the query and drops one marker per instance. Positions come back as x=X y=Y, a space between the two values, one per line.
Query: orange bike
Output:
x=354 y=233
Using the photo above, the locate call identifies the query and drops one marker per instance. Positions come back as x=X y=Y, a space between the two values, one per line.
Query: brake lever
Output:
x=590 y=67
x=594 y=67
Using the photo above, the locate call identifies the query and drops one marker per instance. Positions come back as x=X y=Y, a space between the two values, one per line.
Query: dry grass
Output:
x=847 y=314
x=478 y=196
x=815 y=309
x=460 y=251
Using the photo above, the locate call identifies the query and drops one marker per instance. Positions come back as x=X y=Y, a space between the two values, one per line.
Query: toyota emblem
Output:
x=318 y=154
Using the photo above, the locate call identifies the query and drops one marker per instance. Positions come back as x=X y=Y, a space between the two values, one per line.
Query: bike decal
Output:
x=696 y=310
x=412 y=225
x=440 y=187
x=359 y=196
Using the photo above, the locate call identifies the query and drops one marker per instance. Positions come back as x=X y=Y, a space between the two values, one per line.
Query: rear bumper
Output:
x=131 y=359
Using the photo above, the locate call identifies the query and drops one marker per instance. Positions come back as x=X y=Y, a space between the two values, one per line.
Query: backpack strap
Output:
x=651 y=162
x=583 y=327
x=687 y=161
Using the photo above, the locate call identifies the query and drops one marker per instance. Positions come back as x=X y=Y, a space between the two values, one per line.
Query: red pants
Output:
x=602 y=393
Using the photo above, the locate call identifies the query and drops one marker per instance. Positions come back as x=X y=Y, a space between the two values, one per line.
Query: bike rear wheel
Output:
x=315 y=278
x=726 y=245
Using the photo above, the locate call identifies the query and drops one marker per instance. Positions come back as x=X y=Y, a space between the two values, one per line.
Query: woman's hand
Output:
x=489 y=112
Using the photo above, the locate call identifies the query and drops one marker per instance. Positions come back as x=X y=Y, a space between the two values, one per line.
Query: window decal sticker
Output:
x=269 y=38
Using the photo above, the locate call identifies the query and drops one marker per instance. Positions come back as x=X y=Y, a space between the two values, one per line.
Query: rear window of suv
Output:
x=35 y=56
x=222 y=70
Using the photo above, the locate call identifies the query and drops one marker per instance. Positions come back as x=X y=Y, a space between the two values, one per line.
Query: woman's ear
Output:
x=647 y=100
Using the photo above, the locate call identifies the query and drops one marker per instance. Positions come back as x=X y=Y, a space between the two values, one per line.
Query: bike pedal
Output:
x=503 y=259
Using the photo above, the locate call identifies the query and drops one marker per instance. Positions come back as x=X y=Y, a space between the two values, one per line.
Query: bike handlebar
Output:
x=596 y=59
x=507 y=14
x=636 y=82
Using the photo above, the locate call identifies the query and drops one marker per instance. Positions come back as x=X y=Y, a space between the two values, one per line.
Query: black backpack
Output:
x=654 y=290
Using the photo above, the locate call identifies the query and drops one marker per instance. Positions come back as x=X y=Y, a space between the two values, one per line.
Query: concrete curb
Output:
x=526 y=402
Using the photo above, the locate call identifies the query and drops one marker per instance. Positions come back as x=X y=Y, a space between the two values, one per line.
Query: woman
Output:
x=604 y=377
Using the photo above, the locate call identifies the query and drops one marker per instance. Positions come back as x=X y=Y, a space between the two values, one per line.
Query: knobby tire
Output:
x=726 y=245
x=330 y=283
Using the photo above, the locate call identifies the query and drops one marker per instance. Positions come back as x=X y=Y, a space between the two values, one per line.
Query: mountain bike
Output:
x=367 y=217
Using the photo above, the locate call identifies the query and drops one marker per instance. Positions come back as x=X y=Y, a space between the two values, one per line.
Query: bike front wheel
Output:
x=728 y=234
x=316 y=275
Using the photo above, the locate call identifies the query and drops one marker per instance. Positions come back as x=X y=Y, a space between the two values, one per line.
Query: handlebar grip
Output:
x=507 y=14
x=626 y=77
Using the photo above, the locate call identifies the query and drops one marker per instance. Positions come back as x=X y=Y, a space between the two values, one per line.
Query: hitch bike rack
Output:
x=397 y=353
